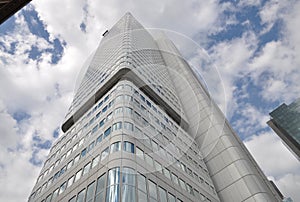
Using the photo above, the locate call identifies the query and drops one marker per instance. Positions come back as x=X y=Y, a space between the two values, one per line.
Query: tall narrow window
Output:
x=152 y=190
x=117 y=126
x=128 y=126
x=142 y=190
x=128 y=147
x=113 y=185
x=99 y=196
x=128 y=185
x=90 y=192
x=115 y=147
x=95 y=161
x=162 y=194
x=80 y=197
x=104 y=153
x=107 y=132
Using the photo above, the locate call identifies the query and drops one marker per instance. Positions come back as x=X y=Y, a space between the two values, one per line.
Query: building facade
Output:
x=285 y=121
x=141 y=127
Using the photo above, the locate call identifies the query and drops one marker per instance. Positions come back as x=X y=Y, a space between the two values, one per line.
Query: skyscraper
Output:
x=285 y=121
x=142 y=127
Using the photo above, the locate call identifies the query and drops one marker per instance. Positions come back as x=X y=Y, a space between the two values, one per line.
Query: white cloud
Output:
x=277 y=162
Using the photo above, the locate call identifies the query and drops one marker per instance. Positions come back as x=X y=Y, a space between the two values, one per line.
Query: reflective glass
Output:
x=128 y=147
x=162 y=194
x=99 y=196
x=104 y=153
x=80 y=197
x=115 y=147
x=152 y=189
x=90 y=192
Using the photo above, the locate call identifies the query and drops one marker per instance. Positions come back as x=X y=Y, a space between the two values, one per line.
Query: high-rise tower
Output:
x=142 y=128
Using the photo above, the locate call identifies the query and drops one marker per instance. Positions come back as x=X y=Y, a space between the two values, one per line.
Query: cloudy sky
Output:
x=253 y=44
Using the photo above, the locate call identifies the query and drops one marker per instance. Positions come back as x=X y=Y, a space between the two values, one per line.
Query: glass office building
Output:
x=285 y=121
x=141 y=127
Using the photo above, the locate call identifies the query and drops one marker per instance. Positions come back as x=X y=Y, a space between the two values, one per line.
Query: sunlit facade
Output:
x=142 y=128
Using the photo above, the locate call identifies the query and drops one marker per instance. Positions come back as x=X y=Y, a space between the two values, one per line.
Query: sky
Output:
x=253 y=46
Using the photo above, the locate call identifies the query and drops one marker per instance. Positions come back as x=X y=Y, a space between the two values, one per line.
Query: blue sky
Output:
x=253 y=44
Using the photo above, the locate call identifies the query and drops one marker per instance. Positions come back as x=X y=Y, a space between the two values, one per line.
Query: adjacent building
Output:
x=285 y=121
x=10 y=7
x=142 y=127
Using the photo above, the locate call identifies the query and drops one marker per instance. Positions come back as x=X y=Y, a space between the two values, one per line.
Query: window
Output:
x=81 y=142
x=118 y=110
x=175 y=179
x=102 y=122
x=62 y=188
x=104 y=153
x=162 y=194
x=49 y=197
x=149 y=159
x=117 y=126
x=95 y=129
x=158 y=166
x=90 y=192
x=115 y=147
x=91 y=146
x=63 y=170
x=128 y=184
x=78 y=175
x=113 y=183
x=104 y=109
x=171 y=198
x=83 y=152
x=189 y=189
x=128 y=147
x=73 y=199
x=76 y=159
x=152 y=190
x=99 y=196
x=55 y=194
x=75 y=146
x=139 y=153
x=95 y=161
x=107 y=132
x=128 y=110
x=86 y=168
x=182 y=184
x=70 y=181
x=128 y=126
x=167 y=173
x=109 y=116
x=99 y=139
x=80 y=197
x=155 y=146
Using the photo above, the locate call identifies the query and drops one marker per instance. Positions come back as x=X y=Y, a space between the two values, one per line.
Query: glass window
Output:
x=152 y=190
x=107 y=132
x=171 y=198
x=90 y=192
x=98 y=114
x=139 y=153
x=95 y=161
x=109 y=116
x=128 y=110
x=81 y=142
x=117 y=126
x=189 y=189
x=182 y=184
x=49 y=197
x=63 y=170
x=104 y=109
x=73 y=199
x=70 y=181
x=142 y=196
x=78 y=175
x=99 y=196
x=149 y=159
x=167 y=173
x=104 y=153
x=113 y=189
x=76 y=159
x=128 y=187
x=128 y=147
x=91 y=146
x=75 y=146
x=115 y=147
x=83 y=152
x=100 y=103
x=102 y=122
x=155 y=146
x=99 y=139
x=162 y=194
x=158 y=166
x=80 y=197
x=128 y=126
x=95 y=129
x=55 y=194
x=86 y=168
x=141 y=179
x=62 y=188
x=175 y=179
x=119 y=110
